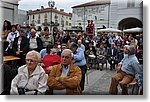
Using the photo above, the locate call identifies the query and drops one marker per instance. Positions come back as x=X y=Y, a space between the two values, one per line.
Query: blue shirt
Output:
x=110 y=40
x=140 y=80
x=79 y=57
x=65 y=70
x=43 y=52
x=130 y=65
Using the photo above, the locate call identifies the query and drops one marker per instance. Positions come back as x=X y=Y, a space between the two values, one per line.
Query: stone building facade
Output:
x=120 y=14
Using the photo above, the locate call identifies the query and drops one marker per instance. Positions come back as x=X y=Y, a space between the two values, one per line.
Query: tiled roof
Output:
x=93 y=3
x=48 y=10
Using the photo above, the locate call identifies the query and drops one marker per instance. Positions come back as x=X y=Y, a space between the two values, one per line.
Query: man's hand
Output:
x=118 y=68
x=57 y=78
x=41 y=64
x=17 y=53
x=49 y=68
x=73 y=61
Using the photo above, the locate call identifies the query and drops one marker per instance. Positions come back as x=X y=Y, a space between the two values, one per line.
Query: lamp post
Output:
x=51 y=5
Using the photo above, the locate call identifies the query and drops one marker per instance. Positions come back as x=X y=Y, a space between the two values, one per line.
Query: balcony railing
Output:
x=48 y=24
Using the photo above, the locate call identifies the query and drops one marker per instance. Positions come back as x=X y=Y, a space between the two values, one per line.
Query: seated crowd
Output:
x=57 y=64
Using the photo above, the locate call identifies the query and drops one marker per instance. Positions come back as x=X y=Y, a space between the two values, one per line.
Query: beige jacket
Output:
x=71 y=82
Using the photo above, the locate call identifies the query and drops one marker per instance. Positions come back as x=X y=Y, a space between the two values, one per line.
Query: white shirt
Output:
x=33 y=43
x=112 y=51
x=18 y=44
x=10 y=38
x=82 y=46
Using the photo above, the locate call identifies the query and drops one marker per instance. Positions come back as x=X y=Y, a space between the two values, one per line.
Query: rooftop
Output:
x=93 y=3
x=30 y=12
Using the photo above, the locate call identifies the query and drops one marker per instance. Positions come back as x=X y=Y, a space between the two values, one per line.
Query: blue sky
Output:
x=60 y=4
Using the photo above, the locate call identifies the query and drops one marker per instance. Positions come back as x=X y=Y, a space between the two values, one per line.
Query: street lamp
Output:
x=51 y=5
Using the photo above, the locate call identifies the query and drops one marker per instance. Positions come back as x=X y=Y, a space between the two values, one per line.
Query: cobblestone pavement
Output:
x=99 y=81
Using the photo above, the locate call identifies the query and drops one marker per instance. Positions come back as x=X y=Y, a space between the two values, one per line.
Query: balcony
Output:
x=50 y=24
x=46 y=24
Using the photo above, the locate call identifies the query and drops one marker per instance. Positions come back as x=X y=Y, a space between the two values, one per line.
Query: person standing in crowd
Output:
x=65 y=77
x=47 y=38
x=57 y=37
x=28 y=33
x=80 y=45
x=10 y=38
x=61 y=48
x=110 y=40
x=18 y=26
x=66 y=38
x=39 y=31
x=21 y=47
x=35 y=42
x=126 y=70
x=6 y=29
x=80 y=61
x=31 y=78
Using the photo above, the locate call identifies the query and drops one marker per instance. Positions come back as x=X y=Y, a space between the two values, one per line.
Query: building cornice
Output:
x=13 y=2
x=48 y=10
x=93 y=3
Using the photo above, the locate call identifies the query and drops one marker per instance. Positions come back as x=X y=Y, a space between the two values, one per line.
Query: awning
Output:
x=109 y=30
x=133 y=30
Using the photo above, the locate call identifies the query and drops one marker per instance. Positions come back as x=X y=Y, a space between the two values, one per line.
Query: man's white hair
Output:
x=126 y=46
x=68 y=50
x=130 y=48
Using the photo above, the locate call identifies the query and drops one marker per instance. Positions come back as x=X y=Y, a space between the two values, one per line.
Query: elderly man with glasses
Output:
x=65 y=77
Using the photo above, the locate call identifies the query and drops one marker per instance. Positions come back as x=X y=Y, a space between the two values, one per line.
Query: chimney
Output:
x=62 y=10
x=42 y=7
x=30 y=11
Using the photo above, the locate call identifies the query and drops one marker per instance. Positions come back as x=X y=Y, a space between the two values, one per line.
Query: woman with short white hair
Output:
x=31 y=78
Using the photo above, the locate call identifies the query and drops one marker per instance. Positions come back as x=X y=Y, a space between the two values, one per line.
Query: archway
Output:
x=129 y=23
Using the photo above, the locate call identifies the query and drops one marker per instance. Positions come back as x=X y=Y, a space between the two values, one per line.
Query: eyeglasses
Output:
x=66 y=57
x=30 y=60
